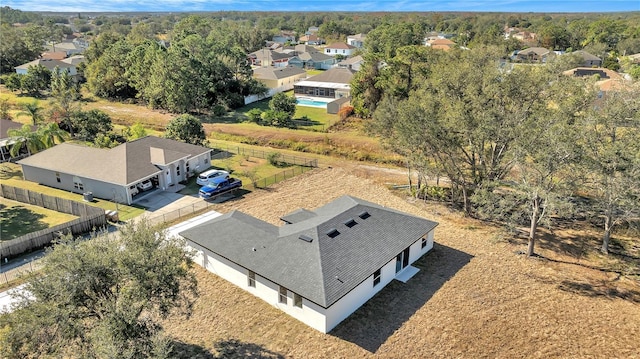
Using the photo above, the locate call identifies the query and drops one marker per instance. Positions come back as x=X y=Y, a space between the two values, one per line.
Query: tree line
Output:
x=517 y=143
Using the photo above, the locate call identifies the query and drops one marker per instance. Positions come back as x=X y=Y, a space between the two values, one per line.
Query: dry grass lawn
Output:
x=474 y=297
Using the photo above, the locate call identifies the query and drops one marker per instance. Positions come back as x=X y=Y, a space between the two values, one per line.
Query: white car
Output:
x=205 y=177
x=145 y=185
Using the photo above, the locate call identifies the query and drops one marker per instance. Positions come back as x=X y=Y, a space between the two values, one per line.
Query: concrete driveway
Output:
x=161 y=202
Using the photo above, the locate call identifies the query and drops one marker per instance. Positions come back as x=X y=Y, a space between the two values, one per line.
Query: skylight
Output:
x=306 y=238
x=364 y=215
x=350 y=222
x=333 y=233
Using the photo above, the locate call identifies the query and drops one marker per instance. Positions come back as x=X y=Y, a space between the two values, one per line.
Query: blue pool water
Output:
x=310 y=102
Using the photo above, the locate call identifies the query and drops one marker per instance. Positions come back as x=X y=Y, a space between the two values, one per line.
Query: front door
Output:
x=168 y=177
x=402 y=260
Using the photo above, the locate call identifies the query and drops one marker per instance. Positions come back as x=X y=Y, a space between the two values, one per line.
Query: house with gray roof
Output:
x=114 y=173
x=333 y=83
x=312 y=60
x=322 y=264
x=7 y=141
x=589 y=59
x=50 y=64
x=279 y=77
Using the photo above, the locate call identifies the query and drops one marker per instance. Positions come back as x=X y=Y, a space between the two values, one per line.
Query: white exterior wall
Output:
x=348 y=304
x=311 y=314
x=334 y=52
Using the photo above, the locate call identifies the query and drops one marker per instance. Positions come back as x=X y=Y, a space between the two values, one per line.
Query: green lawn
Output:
x=319 y=117
x=240 y=167
x=12 y=176
x=17 y=219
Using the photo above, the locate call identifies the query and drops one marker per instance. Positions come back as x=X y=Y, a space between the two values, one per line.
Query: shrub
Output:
x=255 y=115
x=274 y=158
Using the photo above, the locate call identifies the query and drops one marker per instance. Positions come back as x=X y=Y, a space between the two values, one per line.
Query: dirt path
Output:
x=474 y=296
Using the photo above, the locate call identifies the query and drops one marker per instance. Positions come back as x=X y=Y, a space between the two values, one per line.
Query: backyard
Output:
x=17 y=218
x=475 y=295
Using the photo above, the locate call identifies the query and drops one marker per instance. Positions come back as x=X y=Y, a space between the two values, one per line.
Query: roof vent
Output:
x=306 y=238
x=364 y=215
x=350 y=222
x=333 y=233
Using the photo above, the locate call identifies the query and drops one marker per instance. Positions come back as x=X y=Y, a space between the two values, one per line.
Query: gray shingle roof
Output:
x=124 y=164
x=276 y=73
x=325 y=269
x=334 y=75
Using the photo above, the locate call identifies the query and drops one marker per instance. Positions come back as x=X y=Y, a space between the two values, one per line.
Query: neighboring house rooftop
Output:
x=323 y=254
x=603 y=72
x=357 y=37
x=336 y=78
x=587 y=56
x=539 y=51
x=122 y=165
x=74 y=60
x=335 y=75
x=351 y=61
x=314 y=56
x=48 y=63
x=340 y=46
x=445 y=42
x=269 y=55
x=58 y=55
x=6 y=125
x=276 y=73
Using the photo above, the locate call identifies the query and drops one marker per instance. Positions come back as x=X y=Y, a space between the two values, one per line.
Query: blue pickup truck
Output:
x=218 y=186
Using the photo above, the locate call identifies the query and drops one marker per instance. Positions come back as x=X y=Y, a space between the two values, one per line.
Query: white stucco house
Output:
x=340 y=48
x=49 y=64
x=114 y=173
x=319 y=267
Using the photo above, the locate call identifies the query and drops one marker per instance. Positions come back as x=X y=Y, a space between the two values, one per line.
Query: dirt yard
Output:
x=474 y=297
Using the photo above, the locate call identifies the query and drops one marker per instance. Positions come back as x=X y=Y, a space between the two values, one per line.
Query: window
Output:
x=78 y=186
x=424 y=242
x=376 y=277
x=251 y=279
x=178 y=170
x=58 y=177
x=187 y=168
x=282 y=296
x=297 y=300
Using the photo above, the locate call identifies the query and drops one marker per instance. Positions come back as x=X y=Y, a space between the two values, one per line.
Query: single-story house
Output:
x=589 y=60
x=74 y=60
x=339 y=48
x=321 y=265
x=276 y=77
x=49 y=64
x=312 y=60
x=356 y=40
x=113 y=173
x=73 y=47
x=333 y=83
x=285 y=36
x=50 y=55
x=441 y=44
x=311 y=39
x=353 y=63
x=533 y=54
x=6 y=141
x=268 y=57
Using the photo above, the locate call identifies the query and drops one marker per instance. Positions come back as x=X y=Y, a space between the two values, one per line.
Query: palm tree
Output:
x=51 y=133
x=25 y=136
x=32 y=110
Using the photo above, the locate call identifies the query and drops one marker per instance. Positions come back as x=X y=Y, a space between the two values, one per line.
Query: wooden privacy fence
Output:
x=91 y=218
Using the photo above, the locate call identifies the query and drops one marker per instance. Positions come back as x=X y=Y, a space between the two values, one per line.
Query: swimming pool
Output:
x=303 y=101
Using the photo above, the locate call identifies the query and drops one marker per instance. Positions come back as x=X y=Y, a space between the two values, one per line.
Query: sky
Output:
x=548 y=6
